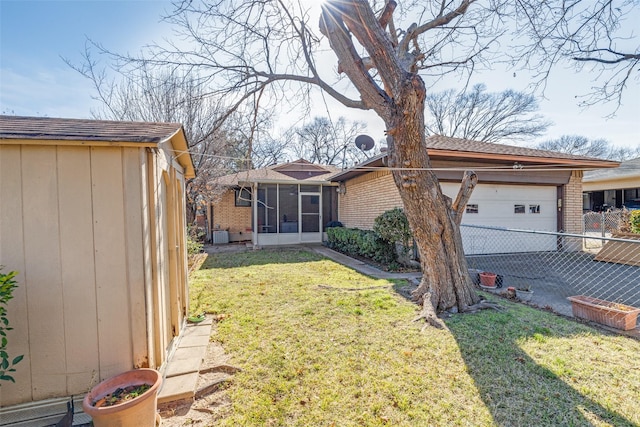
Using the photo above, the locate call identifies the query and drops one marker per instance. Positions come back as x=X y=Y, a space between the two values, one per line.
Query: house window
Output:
x=243 y=197
x=519 y=209
x=534 y=209
x=472 y=209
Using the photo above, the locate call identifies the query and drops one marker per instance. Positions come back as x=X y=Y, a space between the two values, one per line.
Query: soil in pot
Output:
x=121 y=395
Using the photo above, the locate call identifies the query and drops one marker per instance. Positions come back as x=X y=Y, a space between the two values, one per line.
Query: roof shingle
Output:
x=17 y=127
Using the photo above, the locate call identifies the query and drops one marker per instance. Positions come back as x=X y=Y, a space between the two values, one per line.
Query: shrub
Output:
x=193 y=246
x=7 y=285
x=195 y=236
x=634 y=221
x=393 y=226
x=364 y=243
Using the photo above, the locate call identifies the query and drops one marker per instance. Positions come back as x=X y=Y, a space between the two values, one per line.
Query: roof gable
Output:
x=299 y=170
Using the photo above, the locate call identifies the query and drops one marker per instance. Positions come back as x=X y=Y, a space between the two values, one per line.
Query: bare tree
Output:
x=216 y=147
x=582 y=146
x=596 y=36
x=270 y=150
x=482 y=116
x=329 y=142
x=269 y=51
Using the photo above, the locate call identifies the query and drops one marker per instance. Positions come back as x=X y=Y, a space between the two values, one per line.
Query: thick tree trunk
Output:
x=445 y=280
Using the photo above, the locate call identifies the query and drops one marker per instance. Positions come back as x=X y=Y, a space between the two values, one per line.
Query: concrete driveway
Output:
x=554 y=276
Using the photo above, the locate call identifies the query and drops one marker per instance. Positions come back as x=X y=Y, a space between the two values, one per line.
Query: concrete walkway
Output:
x=362 y=267
x=181 y=372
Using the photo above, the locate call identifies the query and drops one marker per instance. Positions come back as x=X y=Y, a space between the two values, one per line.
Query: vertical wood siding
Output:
x=78 y=267
x=43 y=275
x=111 y=260
x=71 y=223
x=134 y=216
x=12 y=257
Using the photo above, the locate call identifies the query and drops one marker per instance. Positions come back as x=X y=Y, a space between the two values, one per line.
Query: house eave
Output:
x=582 y=164
x=531 y=162
x=73 y=142
x=282 y=181
x=181 y=152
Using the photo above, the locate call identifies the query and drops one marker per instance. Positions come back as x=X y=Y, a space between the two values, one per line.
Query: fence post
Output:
x=602 y=227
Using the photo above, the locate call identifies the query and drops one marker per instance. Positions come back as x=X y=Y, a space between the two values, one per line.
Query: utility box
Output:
x=220 y=237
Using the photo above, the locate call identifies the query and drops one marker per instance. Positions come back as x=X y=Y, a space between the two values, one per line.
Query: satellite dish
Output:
x=364 y=142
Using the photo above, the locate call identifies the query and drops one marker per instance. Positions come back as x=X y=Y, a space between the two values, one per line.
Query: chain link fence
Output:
x=600 y=224
x=557 y=265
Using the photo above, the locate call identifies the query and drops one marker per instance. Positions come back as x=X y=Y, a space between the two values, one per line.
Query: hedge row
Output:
x=364 y=243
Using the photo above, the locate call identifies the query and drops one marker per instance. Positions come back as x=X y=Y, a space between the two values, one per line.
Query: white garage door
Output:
x=509 y=206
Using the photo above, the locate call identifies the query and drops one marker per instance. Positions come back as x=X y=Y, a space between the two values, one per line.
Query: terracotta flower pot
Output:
x=488 y=279
x=619 y=316
x=137 y=412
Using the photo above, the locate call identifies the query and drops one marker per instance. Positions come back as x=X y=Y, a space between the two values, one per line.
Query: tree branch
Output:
x=440 y=21
x=469 y=181
x=333 y=27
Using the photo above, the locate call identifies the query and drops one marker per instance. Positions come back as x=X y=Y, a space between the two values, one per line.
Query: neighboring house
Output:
x=517 y=187
x=92 y=216
x=612 y=187
x=288 y=203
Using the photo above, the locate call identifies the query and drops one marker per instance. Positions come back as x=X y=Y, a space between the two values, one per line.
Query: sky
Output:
x=35 y=36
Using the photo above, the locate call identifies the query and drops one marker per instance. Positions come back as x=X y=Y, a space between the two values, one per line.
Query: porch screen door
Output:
x=310 y=212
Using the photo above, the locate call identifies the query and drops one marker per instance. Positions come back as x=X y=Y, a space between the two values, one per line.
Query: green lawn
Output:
x=314 y=352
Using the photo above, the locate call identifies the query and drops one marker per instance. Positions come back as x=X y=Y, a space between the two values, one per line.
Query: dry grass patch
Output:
x=315 y=352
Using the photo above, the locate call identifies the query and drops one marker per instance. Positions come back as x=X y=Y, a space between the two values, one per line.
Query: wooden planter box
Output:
x=607 y=313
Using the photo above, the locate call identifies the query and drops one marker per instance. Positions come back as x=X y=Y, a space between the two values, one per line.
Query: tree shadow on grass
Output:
x=520 y=391
x=517 y=389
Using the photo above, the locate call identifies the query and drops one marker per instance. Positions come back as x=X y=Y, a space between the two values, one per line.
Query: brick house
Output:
x=288 y=203
x=517 y=187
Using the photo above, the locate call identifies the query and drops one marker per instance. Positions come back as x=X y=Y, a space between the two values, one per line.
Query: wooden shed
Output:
x=92 y=216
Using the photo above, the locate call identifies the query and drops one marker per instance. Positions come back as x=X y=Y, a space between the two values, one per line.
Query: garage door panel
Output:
x=496 y=207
